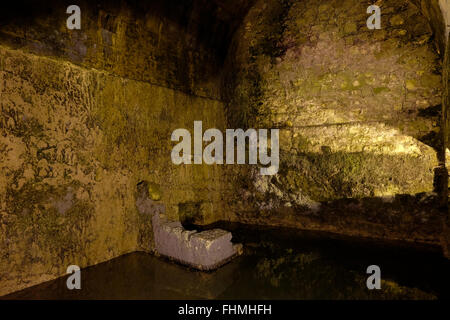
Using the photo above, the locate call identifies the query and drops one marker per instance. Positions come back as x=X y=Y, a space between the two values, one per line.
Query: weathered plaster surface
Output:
x=359 y=113
x=87 y=115
x=75 y=143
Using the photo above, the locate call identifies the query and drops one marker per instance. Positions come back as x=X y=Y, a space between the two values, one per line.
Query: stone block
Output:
x=206 y=250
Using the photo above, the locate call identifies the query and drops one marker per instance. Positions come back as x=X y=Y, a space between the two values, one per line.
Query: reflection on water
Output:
x=277 y=264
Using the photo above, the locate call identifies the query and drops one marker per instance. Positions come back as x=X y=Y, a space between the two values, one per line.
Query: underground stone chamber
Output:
x=87 y=117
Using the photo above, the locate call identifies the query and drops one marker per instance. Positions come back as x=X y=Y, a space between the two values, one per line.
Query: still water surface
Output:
x=277 y=264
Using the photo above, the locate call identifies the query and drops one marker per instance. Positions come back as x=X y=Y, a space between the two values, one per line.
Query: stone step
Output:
x=206 y=250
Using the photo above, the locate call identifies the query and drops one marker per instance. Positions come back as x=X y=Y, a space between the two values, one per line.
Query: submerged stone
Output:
x=206 y=250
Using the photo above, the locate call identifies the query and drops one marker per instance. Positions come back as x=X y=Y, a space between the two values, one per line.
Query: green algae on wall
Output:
x=355 y=107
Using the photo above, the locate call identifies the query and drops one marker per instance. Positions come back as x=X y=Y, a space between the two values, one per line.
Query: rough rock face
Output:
x=74 y=144
x=446 y=126
x=358 y=109
x=86 y=115
x=177 y=44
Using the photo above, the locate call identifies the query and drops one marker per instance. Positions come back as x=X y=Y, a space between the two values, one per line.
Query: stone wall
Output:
x=74 y=145
x=358 y=112
x=86 y=115
x=438 y=13
x=446 y=125
x=179 y=44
